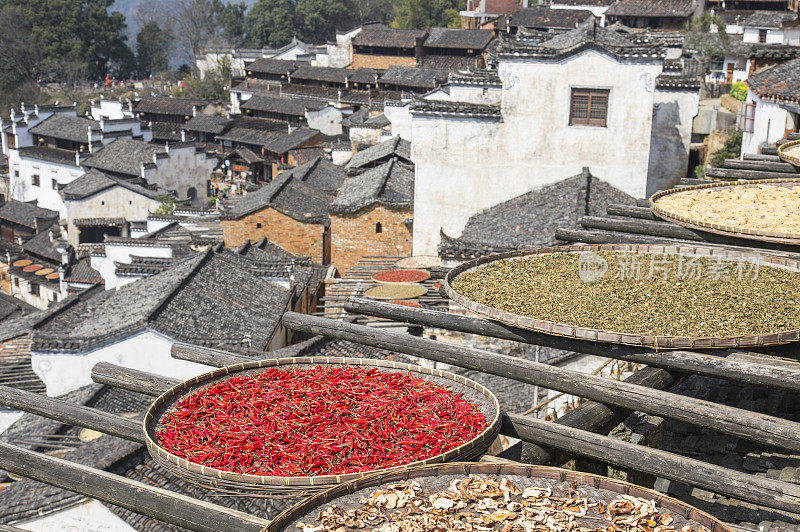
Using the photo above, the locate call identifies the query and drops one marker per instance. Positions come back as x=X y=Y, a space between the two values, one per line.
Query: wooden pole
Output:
x=759 y=490
x=158 y=503
x=750 y=372
x=642 y=213
x=193 y=353
x=71 y=414
x=751 y=426
x=132 y=380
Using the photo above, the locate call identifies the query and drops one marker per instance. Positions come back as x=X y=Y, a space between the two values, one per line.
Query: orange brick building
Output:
x=291 y=211
x=384 y=47
x=373 y=214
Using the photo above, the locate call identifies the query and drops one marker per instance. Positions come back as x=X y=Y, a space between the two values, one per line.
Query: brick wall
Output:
x=353 y=235
x=297 y=237
x=381 y=61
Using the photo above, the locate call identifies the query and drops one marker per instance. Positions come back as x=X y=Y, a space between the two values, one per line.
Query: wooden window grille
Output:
x=747 y=117
x=762 y=36
x=35 y=180
x=589 y=107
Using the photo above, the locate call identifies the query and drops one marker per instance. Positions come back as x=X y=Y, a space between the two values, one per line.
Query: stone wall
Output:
x=354 y=235
x=381 y=61
x=296 y=237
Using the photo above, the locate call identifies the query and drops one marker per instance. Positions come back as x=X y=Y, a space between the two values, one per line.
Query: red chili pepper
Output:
x=318 y=421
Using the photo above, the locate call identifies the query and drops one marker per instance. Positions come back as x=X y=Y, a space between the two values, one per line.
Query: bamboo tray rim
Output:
x=725 y=230
x=791 y=159
x=614 y=337
x=292 y=514
x=159 y=453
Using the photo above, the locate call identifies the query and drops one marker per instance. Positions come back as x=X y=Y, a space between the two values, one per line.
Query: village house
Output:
x=317 y=115
x=543 y=18
x=46 y=148
x=454 y=48
x=394 y=148
x=752 y=5
x=203 y=299
x=204 y=128
x=381 y=48
x=418 y=80
x=601 y=99
x=772 y=27
x=20 y=221
x=597 y=7
x=373 y=214
x=33 y=269
x=663 y=14
x=291 y=211
x=111 y=109
x=166 y=115
x=479 y=12
x=772 y=110
x=182 y=168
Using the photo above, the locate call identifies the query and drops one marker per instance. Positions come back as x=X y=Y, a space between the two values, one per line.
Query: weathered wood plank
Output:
x=759 y=490
x=71 y=414
x=642 y=213
x=734 y=174
x=158 y=503
x=131 y=379
x=748 y=371
x=762 y=166
x=751 y=426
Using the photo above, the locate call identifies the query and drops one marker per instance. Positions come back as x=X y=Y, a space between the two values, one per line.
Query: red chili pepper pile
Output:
x=318 y=421
x=402 y=276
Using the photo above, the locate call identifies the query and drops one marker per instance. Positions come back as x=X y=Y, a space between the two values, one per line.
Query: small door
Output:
x=729 y=73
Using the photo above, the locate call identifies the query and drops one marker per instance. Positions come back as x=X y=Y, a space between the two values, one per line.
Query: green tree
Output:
x=214 y=85
x=152 y=48
x=730 y=150
x=66 y=32
x=166 y=204
x=270 y=23
x=424 y=14
x=706 y=39
x=375 y=11
x=318 y=20
x=231 y=20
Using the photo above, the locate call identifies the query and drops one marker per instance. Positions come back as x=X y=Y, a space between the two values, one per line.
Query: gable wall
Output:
x=353 y=235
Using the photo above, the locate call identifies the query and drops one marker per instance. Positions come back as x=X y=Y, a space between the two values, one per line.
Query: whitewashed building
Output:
x=772 y=109
x=591 y=97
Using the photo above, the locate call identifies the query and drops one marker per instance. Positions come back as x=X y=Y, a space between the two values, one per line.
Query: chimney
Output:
x=183 y=135
x=142 y=171
x=22 y=107
x=77 y=158
x=36 y=108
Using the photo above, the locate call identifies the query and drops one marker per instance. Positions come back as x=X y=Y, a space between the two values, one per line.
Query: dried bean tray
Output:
x=438 y=477
x=238 y=484
x=612 y=337
x=721 y=229
x=785 y=148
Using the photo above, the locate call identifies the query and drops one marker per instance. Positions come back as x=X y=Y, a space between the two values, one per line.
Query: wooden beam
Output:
x=192 y=353
x=158 y=503
x=642 y=227
x=733 y=174
x=762 y=166
x=751 y=488
x=629 y=211
x=750 y=371
x=586 y=236
x=132 y=380
x=751 y=426
x=71 y=414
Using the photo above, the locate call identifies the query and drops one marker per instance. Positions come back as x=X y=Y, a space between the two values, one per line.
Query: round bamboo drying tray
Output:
x=785 y=155
x=389 y=291
x=346 y=495
x=721 y=229
x=596 y=335
x=238 y=484
x=419 y=276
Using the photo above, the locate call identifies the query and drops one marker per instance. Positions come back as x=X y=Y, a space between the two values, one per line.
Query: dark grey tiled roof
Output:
x=593 y=3
x=303 y=193
x=82 y=272
x=475 y=77
x=284 y=142
x=676 y=83
x=273 y=66
x=11 y=305
x=67 y=127
x=314 y=73
x=306 y=155
x=124 y=156
x=247 y=155
x=541 y=17
x=202 y=299
x=650 y=8
x=375 y=122
x=207 y=124
x=414 y=77
x=587 y=35
x=169 y=106
x=769 y=19
x=277 y=104
x=530 y=220
x=52 y=155
x=364 y=75
x=395 y=147
x=271 y=134
x=95 y=181
x=458 y=38
x=42 y=245
x=390 y=184
x=781 y=82
x=451 y=62
x=27 y=214
x=388 y=38
x=439 y=107
x=165 y=131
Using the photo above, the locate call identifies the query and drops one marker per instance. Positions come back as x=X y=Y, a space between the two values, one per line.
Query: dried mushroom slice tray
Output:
x=769 y=201
x=493 y=497
x=790 y=152
x=584 y=256
x=237 y=484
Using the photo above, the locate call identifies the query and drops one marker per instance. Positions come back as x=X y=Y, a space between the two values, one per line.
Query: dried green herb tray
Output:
x=677 y=296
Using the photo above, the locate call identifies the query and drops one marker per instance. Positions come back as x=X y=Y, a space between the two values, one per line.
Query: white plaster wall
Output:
x=673 y=117
x=327 y=121
x=791 y=37
x=769 y=126
x=154 y=224
x=400 y=117
x=46 y=297
x=476 y=94
x=88 y=516
x=146 y=350
x=774 y=36
x=21 y=183
x=8 y=418
x=365 y=136
x=438 y=94
x=534 y=145
x=123 y=253
x=111 y=109
x=341 y=157
x=115 y=202
x=184 y=168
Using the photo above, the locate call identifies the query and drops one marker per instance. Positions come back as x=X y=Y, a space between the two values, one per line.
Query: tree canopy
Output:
x=152 y=48
x=424 y=14
x=270 y=23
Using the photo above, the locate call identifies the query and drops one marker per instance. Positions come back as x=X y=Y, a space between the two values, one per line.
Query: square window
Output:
x=762 y=36
x=589 y=107
x=258 y=225
x=55 y=184
x=33 y=289
x=35 y=180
